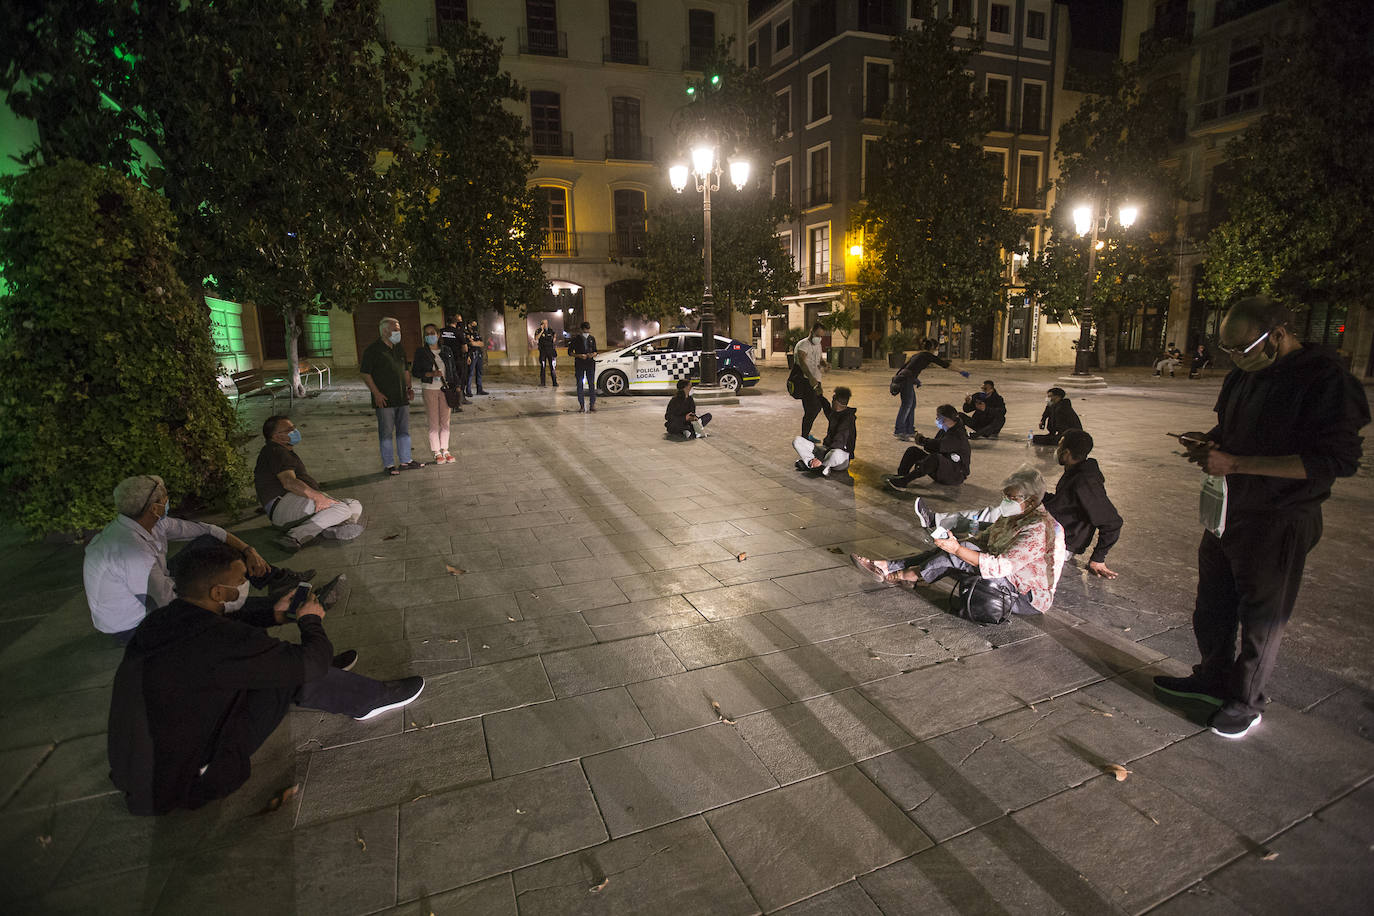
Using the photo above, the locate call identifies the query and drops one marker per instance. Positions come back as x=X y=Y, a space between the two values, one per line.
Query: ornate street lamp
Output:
x=706 y=169
x=1087 y=222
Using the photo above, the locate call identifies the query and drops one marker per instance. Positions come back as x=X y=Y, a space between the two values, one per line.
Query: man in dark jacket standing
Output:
x=944 y=459
x=1059 y=415
x=201 y=686
x=841 y=438
x=453 y=336
x=907 y=380
x=1288 y=422
x=546 y=340
x=582 y=348
x=1080 y=502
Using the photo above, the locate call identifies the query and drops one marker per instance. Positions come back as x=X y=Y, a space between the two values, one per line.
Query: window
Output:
x=622 y=46
x=877 y=16
x=753 y=54
x=629 y=223
x=546 y=125
x=818 y=179
x=226 y=333
x=785 y=245
x=961 y=12
x=661 y=345
x=701 y=38
x=877 y=75
x=541 y=28
x=1233 y=78
x=1035 y=25
x=1028 y=181
x=782 y=181
x=782 y=35
x=820 y=22
x=999 y=98
x=819 y=97
x=998 y=158
x=820 y=253
x=1032 y=107
x=782 y=113
x=557 y=241
x=871 y=163
x=317 y=336
x=999 y=19
x=626 y=140
x=450 y=12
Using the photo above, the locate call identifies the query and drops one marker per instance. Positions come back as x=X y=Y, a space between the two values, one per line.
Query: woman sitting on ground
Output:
x=1022 y=551
x=944 y=459
x=680 y=419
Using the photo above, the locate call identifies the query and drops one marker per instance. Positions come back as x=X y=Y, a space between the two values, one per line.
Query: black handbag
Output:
x=979 y=600
x=797 y=382
x=453 y=397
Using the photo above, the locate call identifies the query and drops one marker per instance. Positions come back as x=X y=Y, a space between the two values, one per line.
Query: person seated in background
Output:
x=944 y=459
x=202 y=686
x=1201 y=360
x=1059 y=415
x=836 y=450
x=1171 y=358
x=1079 y=502
x=985 y=412
x=681 y=419
x=1022 y=552
x=125 y=567
x=292 y=498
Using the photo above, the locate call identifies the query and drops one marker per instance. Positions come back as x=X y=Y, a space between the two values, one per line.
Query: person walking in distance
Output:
x=1288 y=422
x=582 y=348
x=807 y=355
x=386 y=374
x=547 y=342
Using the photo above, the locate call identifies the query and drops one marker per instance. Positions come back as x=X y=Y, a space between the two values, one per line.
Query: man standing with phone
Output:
x=582 y=348
x=1288 y=421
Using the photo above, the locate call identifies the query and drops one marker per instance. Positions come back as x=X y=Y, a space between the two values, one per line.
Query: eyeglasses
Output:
x=1241 y=351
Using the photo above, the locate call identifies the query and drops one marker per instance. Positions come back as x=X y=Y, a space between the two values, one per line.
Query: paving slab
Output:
x=452 y=618
x=815 y=736
x=1308 y=869
x=848 y=899
x=17 y=765
x=536 y=736
x=726 y=640
x=682 y=701
x=118 y=842
x=36 y=844
x=459 y=837
x=1352 y=709
x=610 y=665
x=55 y=718
x=567 y=599
x=123 y=894
x=827 y=619
x=656 y=584
x=476 y=691
x=771 y=566
x=605 y=567
x=503 y=641
x=741 y=600
x=499 y=581
x=669 y=778
x=679 y=867
x=642 y=618
x=813 y=835
x=837 y=664
x=938 y=699
x=492 y=897
x=75 y=769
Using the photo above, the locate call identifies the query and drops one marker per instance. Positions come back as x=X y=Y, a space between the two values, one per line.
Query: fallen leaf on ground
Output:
x=742 y=556
x=1269 y=856
x=1118 y=771
x=510 y=618
x=453 y=570
x=596 y=888
x=44 y=841
x=715 y=707
x=835 y=550
x=519 y=810
x=391 y=537
x=281 y=798
x=358 y=838
x=484 y=645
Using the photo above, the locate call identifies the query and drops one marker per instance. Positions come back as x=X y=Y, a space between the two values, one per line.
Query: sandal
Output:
x=393 y=471
x=412 y=465
x=870 y=567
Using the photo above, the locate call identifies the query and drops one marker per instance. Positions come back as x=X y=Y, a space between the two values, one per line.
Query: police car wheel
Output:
x=730 y=381
x=614 y=382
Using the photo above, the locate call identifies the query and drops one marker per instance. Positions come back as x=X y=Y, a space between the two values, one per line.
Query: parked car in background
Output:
x=657 y=364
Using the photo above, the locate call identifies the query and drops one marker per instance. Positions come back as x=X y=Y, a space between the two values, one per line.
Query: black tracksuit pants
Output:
x=1248 y=580
x=812 y=402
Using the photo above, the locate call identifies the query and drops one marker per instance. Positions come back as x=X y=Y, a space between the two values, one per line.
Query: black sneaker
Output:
x=1191 y=687
x=1233 y=724
x=799 y=466
x=346 y=659
x=923 y=515
x=332 y=591
x=288 y=543
x=398 y=694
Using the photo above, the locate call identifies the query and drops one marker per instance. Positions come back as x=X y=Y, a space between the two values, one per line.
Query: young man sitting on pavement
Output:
x=837 y=449
x=945 y=459
x=985 y=412
x=681 y=418
x=292 y=498
x=202 y=686
x=1080 y=502
x=125 y=569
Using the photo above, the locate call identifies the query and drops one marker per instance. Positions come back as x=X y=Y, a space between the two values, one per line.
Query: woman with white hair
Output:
x=1021 y=553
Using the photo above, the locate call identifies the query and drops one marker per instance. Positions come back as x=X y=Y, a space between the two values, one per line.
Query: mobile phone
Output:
x=939 y=533
x=298 y=597
x=1187 y=440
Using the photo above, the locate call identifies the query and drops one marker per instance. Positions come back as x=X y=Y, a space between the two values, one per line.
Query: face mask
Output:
x=294 y=437
x=238 y=600
x=395 y=337
x=1009 y=506
x=1049 y=400
x=815 y=340
x=939 y=422
x=166 y=504
x=431 y=339
x=1255 y=360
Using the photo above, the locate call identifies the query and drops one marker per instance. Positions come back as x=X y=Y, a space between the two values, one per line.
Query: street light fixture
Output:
x=1087 y=222
x=706 y=169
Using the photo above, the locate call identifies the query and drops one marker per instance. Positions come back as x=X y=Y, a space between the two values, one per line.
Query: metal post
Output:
x=1085 y=313
x=708 y=305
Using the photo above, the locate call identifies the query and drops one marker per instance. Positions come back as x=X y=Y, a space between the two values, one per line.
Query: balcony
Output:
x=832 y=275
x=634 y=147
x=627 y=243
x=624 y=51
x=1231 y=10
x=559 y=243
x=697 y=57
x=1170 y=33
x=546 y=42
x=1231 y=104
x=551 y=142
x=817 y=195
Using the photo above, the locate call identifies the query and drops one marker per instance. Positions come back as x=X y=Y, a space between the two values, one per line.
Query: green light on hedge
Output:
x=691 y=90
x=715 y=79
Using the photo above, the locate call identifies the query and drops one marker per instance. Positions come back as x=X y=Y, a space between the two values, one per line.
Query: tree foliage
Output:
x=106 y=365
x=935 y=224
x=1301 y=195
x=750 y=271
x=1110 y=152
x=472 y=227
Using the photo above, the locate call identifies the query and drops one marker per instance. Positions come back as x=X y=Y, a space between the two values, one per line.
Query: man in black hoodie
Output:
x=841 y=436
x=944 y=459
x=1288 y=422
x=1059 y=415
x=985 y=412
x=202 y=686
x=1080 y=502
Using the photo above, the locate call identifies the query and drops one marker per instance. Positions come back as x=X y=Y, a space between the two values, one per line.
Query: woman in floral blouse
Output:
x=1022 y=550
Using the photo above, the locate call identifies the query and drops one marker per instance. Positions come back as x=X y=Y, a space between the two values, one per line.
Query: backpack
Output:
x=797 y=382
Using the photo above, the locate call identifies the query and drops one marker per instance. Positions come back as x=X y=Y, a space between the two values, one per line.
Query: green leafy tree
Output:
x=1301 y=195
x=1110 y=152
x=935 y=226
x=750 y=272
x=86 y=400
x=471 y=225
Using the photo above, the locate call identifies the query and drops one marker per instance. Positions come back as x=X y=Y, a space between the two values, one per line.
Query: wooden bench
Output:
x=251 y=382
x=321 y=370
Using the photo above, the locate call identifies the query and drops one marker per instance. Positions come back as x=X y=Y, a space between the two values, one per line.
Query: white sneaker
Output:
x=346 y=531
x=924 y=515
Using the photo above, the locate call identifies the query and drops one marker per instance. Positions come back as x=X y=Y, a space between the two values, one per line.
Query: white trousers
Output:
x=968 y=522
x=292 y=508
x=836 y=458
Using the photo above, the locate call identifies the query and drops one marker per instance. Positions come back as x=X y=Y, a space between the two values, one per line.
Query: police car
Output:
x=657 y=364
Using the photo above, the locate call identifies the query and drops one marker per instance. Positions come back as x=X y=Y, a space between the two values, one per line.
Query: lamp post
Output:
x=1087 y=222
x=706 y=169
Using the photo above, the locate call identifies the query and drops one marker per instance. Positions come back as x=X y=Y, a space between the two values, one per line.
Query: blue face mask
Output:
x=939 y=422
x=431 y=339
x=294 y=437
x=395 y=337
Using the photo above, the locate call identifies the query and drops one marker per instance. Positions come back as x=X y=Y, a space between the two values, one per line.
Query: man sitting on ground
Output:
x=1059 y=415
x=1080 y=502
x=837 y=449
x=125 y=569
x=292 y=498
x=202 y=686
x=944 y=459
x=985 y=412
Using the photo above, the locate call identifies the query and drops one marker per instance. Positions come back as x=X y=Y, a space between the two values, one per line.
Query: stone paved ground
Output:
x=622 y=716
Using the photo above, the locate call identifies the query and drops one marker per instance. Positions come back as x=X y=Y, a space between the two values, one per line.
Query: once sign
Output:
x=393 y=294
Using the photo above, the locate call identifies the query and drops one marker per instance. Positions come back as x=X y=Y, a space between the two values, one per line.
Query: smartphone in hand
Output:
x=298 y=598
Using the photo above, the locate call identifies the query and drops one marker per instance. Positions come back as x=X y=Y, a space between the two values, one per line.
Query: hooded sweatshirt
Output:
x=1061 y=417
x=841 y=433
x=194 y=689
x=1080 y=504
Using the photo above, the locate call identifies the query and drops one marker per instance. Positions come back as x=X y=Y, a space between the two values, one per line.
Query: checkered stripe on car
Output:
x=677 y=365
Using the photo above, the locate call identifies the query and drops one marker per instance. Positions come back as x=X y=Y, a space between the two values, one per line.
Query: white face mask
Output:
x=1009 y=506
x=815 y=340
x=395 y=337
x=233 y=605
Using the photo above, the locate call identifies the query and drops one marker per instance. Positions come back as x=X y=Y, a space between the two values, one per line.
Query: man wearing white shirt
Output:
x=125 y=568
x=807 y=354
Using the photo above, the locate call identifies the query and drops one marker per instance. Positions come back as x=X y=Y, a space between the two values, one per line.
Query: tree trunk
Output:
x=293 y=318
